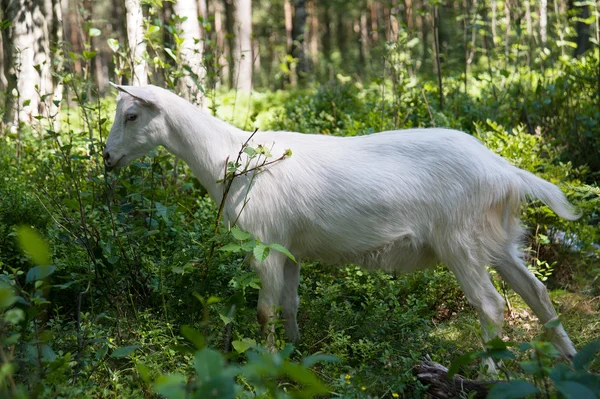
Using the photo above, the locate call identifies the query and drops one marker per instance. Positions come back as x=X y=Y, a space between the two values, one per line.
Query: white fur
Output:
x=397 y=201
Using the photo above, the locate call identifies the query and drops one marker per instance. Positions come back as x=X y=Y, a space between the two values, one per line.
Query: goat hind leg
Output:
x=513 y=270
x=289 y=300
x=482 y=295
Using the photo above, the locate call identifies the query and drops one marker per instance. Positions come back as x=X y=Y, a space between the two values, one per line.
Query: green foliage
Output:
x=125 y=285
x=540 y=373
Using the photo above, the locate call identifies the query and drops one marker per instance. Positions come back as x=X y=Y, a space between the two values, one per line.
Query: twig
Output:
x=428 y=108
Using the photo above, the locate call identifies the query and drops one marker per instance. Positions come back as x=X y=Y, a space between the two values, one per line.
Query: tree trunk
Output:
x=394 y=25
x=313 y=30
x=136 y=44
x=583 y=31
x=408 y=4
x=299 y=33
x=494 y=20
x=436 y=41
x=435 y=376
x=364 y=38
x=191 y=50
x=243 y=45
x=374 y=22
x=27 y=59
x=543 y=20
x=288 y=19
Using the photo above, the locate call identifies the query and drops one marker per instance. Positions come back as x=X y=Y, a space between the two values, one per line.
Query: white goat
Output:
x=398 y=201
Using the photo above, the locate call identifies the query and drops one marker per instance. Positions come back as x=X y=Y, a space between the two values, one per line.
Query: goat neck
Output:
x=202 y=141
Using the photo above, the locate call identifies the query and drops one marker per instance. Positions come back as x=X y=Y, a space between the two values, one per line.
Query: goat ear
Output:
x=139 y=93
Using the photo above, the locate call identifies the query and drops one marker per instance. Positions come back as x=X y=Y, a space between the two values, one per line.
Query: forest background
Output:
x=122 y=284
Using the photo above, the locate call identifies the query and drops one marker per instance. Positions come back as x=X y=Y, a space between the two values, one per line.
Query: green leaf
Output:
x=95 y=32
x=208 y=364
x=261 y=252
x=193 y=336
x=34 y=245
x=123 y=351
x=461 y=361
x=39 y=273
x=88 y=55
x=250 y=151
x=310 y=361
x=283 y=250
x=574 y=390
x=171 y=54
x=583 y=358
x=243 y=345
x=240 y=235
x=143 y=371
x=552 y=323
x=171 y=386
x=231 y=247
x=153 y=29
x=7 y=295
x=512 y=390
x=113 y=44
x=14 y=316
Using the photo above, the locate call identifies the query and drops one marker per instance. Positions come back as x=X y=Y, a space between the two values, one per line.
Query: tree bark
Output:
x=299 y=34
x=440 y=386
x=288 y=19
x=135 y=40
x=364 y=38
x=27 y=60
x=191 y=49
x=543 y=20
x=313 y=30
x=243 y=45
x=583 y=31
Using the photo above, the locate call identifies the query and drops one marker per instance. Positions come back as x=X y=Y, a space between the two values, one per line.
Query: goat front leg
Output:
x=279 y=278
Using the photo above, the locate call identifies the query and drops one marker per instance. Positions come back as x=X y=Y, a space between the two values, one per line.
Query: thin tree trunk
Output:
x=374 y=21
x=394 y=25
x=561 y=34
x=135 y=40
x=222 y=47
x=299 y=32
x=288 y=16
x=583 y=31
x=436 y=40
x=543 y=20
x=494 y=19
x=313 y=30
x=191 y=49
x=327 y=34
x=117 y=25
x=408 y=5
x=364 y=38
x=230 y=41
x=243 y=46
x=26 y=60
x=507 y=32
x=424 y=29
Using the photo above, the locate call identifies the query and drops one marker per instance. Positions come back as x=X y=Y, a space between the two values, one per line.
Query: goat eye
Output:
x=131 y=117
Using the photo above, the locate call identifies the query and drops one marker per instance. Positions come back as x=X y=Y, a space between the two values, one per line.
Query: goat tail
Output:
x=548 y=193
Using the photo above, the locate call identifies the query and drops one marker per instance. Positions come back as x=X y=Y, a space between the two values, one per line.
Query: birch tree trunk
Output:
x=543 y=20
x=313 y=30
x=243 y=59
x=135 y=41
x=191 y=49
x=288 y=19
x=27 y=61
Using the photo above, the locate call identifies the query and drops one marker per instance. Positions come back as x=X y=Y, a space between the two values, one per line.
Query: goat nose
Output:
x=106 y=157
